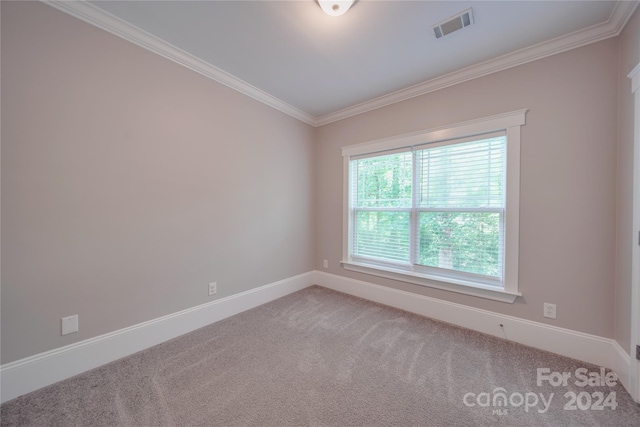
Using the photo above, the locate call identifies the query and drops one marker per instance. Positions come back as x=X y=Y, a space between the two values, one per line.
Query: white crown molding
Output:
x=93 y=15
x=611 y=28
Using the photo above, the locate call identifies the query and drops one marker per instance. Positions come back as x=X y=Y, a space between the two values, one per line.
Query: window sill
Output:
x=452 y=285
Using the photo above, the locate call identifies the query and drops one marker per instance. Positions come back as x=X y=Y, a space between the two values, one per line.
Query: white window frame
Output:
x=510 y=123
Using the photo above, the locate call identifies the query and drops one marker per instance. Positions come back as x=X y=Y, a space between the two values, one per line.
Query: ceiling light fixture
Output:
x=335 y=7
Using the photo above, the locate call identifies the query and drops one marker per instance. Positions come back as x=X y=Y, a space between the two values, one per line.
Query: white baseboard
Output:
x=577 y=345
x=621 y=365
x=34 y=372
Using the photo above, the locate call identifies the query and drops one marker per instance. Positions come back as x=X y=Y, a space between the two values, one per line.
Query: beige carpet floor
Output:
x=322 y=358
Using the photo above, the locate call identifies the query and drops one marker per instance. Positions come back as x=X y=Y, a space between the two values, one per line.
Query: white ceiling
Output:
x=324 y=67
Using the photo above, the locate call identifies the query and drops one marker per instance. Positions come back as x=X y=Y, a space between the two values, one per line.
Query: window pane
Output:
x=468 y=242
x=383 y=181
x=469 y=174
x=382 y=235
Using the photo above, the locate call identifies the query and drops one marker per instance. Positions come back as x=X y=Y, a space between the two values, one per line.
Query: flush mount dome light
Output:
x=335 y=7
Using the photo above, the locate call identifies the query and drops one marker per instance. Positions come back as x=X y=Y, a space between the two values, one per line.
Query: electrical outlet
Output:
x=213 y=288
x=325 y=263
x=549 y=310
x=69 y=324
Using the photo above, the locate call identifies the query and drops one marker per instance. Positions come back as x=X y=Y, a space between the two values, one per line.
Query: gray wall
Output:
x=629 y=57
x=568 y=179
x=130 y=182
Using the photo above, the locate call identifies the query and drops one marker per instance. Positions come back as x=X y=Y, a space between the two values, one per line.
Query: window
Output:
x=438 y=208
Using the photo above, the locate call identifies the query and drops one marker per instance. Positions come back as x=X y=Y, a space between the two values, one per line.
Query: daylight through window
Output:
x=436 y=210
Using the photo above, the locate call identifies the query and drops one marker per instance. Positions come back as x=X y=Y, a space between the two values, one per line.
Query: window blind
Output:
x=461 y=206
x=382 y=203
x=438 y=206
x=466 y=175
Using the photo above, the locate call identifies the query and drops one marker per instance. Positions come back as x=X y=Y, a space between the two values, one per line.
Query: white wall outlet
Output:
x=213 y=288
x=325 y=263
x=549 y=310
x=69 y=324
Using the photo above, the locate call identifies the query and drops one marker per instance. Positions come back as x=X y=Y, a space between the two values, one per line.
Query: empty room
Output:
x=310 y=212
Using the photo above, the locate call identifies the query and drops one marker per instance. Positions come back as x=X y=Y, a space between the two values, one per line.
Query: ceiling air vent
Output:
x=455 y=23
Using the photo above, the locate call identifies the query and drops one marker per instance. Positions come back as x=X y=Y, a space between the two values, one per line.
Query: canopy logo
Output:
x=597 y=400
x=499 y=399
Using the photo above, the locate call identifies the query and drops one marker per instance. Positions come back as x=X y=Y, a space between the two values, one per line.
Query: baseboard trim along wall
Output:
x=577 y=345
x=34 y=372
x=621 y=365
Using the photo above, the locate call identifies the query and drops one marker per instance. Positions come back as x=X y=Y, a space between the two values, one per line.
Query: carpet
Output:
x=322 y=358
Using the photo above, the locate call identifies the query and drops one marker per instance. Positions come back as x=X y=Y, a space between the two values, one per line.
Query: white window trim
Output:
x=509 y=122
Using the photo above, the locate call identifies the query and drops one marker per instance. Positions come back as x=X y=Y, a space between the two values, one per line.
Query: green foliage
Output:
x=468 y=175
x=383 y=235
x=460 y=176
x=384 y=181
x=468 y=242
